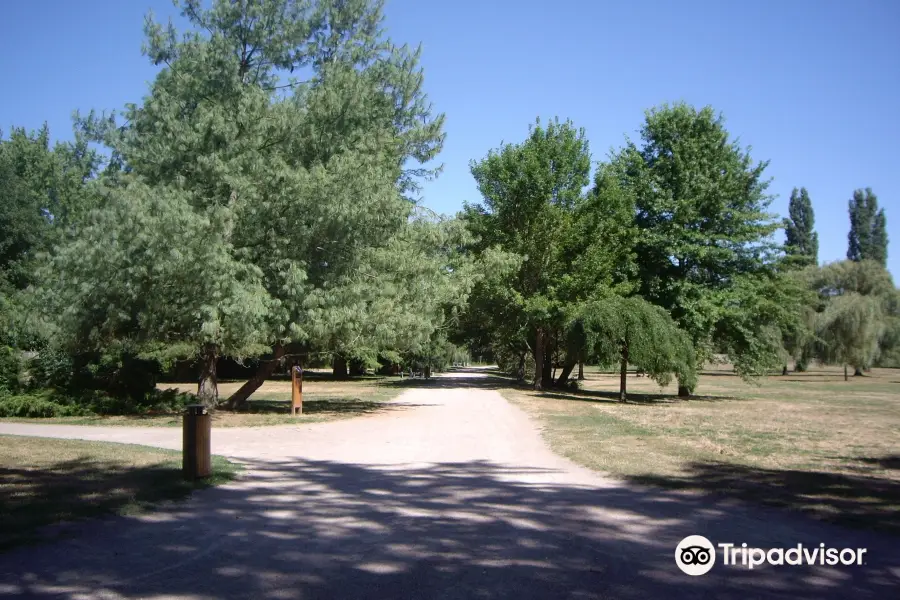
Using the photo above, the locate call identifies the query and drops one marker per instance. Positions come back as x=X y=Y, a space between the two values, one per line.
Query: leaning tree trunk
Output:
x=568 y=367
x=339 y=367
x=263 y=372
x=207 y=387
x=539 y=360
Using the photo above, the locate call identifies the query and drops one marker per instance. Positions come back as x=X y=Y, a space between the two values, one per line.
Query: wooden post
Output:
x=296 y=390
x=196 y=461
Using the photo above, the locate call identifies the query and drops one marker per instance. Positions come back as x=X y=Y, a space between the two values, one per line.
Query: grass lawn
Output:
x=324 y=399
x=45 y=481
x=808 y=441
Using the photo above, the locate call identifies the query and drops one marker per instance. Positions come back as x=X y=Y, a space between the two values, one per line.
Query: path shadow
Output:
x=81 y=488
x=660 y=398
x=343 y=406
x=855 y=500
x=320 y=529
x=459 y=380
x=891 y=462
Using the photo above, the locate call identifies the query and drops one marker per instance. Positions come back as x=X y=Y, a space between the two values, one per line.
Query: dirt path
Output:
x=449 y=494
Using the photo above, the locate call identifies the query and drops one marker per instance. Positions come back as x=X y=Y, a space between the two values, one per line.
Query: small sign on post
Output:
x=296 y=390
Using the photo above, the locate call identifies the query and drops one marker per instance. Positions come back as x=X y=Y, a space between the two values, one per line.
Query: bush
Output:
x=113 y=374
x=51 y=368
x=36 y=406
x=10 y=369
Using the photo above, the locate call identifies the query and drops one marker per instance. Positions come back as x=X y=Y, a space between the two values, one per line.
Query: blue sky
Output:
x=811 y=85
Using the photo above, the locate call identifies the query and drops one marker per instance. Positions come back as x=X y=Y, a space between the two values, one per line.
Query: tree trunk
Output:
x=845 y=373
x=520 y=373
x=339 y=367
x=547 y=374
x=623 y=376
x=568 y=367
x=800 y=366
x=207 y=387
x=263 y=372
x=684 y=391
x=580 y=370
x=784 y=370
x=857 y=372
x=428 y=371
x=357 y=367
x=539 y=359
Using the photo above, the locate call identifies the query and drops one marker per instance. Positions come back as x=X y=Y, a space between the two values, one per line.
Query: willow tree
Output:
x=631 y=331
x=857 y=299
x=705 y=234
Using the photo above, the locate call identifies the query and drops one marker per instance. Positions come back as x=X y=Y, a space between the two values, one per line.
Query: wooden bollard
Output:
x=197 y=428
x=296 y=391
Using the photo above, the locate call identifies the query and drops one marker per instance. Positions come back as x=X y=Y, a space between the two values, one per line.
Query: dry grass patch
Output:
x=809 y=441
x=45 y=481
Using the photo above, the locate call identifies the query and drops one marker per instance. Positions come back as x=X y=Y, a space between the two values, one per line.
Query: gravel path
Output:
x=450 y=493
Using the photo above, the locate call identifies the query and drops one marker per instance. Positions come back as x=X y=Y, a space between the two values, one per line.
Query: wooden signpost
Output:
x=296 y=390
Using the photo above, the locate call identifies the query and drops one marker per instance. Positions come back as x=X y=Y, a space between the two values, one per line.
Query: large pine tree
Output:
x=801 y=241
x=301 y=130
x=867 y=239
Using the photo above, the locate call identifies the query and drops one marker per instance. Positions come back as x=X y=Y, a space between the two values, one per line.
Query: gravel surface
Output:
x=450 y=493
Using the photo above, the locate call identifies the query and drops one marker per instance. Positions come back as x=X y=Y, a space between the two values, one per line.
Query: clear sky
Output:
x=811 y=85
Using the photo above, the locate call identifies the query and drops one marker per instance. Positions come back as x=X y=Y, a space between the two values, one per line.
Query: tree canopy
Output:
x=801 y=240
x=867 y=239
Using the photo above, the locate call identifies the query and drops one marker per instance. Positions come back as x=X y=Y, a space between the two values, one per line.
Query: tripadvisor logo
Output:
x=696 y=555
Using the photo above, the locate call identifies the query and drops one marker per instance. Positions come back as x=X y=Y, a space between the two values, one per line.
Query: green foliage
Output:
x=801 y=240
x=146 y=267
x=889 y=351
x=856 y=303
x=705 y=236
x=10 y=369
x=856 y=312
x=302 y=183
x=532 y=193
x=40 y=188
x=35 y=406
x=867 y=239
x=632 y=330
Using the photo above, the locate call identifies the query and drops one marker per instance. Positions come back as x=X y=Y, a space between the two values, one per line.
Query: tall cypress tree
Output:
x=867 y=239
x=802 y=242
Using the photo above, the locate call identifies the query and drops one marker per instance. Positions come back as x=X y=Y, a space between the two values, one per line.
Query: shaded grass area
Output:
x=324 y=399
x=809 y=441
x=46 y=481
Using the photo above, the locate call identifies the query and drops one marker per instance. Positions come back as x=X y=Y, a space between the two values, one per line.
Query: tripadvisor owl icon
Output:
x=695 y=555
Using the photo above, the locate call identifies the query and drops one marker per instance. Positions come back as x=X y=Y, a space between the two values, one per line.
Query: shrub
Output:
x=51 y=368
x=36 y=406
x=114 y=374
x=10 y=369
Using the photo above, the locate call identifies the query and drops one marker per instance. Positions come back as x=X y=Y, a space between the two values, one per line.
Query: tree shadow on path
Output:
x=299 y=528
